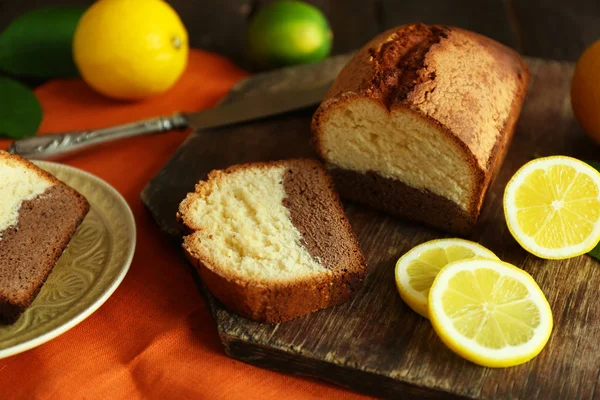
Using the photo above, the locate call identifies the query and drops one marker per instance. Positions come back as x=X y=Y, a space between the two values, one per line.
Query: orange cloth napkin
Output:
x=154 y=338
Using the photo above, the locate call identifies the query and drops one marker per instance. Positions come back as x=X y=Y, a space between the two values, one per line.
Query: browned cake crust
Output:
x=395 y=70
x=29 y=250
x=318 y=214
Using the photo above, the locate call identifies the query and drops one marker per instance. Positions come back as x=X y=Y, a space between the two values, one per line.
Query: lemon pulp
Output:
x=417 y=269
x=553 y=207
x=490 y=312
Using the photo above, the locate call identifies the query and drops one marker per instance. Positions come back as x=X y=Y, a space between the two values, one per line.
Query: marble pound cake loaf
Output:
x=419 y=121
x=38 y=216
x=271 y=241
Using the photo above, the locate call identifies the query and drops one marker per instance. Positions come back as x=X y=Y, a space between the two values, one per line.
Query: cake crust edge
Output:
x=280 y=301
x=356 y=81
x=10 y=311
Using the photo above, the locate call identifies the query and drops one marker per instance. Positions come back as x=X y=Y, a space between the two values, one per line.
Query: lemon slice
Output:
x=552 y=207
x=416 y=270
x=490 y=312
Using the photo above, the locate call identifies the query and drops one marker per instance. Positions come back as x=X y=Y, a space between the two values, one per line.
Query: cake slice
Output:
x=418 y=122
x=38 y=216
x=271 y=241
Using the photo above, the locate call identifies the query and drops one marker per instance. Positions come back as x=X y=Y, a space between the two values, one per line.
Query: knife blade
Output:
x=260 y=105
x=256 y=107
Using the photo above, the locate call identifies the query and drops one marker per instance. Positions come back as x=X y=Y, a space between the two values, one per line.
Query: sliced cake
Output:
x=418 y=122
x=271 y=241
x=38 y=216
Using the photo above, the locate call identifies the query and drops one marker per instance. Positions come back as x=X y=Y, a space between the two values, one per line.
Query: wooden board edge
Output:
x=149 y=192
x=281 y=361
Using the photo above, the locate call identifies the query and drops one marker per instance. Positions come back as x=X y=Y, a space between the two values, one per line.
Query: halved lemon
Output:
x=552 y=207
x=416 y=270
x=490 y=312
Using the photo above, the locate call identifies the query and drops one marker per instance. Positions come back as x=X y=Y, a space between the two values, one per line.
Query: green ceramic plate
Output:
x=87 y=273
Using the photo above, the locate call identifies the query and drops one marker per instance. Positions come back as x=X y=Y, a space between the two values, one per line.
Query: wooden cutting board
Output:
x=375 y=343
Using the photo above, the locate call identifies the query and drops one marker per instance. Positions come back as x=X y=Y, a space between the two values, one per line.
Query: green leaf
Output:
x=20 y=111
x=39 y=43
x=596 y=250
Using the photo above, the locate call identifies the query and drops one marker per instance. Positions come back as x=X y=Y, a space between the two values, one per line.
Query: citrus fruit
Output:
x=288 y=33
x=585 y=91
x=489 y=312
x=416 y=270
x=130 y=49
x=552 y=207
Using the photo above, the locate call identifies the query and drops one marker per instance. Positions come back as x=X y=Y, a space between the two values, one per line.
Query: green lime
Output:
x=288 y=33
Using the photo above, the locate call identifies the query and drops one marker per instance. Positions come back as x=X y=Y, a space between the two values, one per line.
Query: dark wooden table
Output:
x=554 y=29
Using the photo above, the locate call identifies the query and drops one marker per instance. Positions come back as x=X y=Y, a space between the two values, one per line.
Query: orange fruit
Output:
x=585 y=91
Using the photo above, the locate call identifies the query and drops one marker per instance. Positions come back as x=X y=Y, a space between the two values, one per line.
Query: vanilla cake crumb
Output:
x=17 y=184
x=246 y=227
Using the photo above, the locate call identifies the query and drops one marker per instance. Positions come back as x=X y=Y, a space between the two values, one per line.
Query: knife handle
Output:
x=51 y=146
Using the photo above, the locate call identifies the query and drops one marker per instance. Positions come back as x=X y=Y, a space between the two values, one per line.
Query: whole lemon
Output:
x=585 y=91
x=288 y=33
x=130 y=49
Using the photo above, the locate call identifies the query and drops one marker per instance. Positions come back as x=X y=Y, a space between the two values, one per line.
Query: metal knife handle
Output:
x=55 y=145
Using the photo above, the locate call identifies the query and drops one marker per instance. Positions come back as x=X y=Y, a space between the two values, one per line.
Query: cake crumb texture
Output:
x=18 y=183
x=431 y=107
x=271 y=241
x=241 y=221
x=44 y=225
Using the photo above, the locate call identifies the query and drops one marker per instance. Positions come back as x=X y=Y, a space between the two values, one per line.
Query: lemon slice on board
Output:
x=490 y=312
x=416 y=270
x=552 y=207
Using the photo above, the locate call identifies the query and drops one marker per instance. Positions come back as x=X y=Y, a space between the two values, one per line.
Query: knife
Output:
x=52 y=146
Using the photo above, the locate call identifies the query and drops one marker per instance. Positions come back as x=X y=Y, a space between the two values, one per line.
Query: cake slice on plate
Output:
x=38 y=216
x=271 y=241
x=419 y=121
